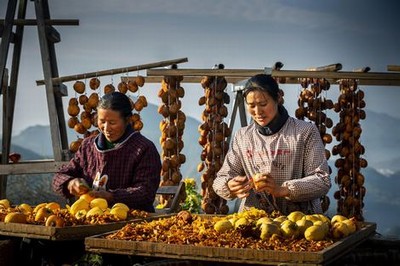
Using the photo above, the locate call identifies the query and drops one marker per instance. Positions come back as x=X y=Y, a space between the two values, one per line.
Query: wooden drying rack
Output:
x=195 y=75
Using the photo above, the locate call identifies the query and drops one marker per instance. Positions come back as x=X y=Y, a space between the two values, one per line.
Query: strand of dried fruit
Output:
x=82 y=109
x=213 y=133
x=172 y=127
x=313 y=105
x=348 y=132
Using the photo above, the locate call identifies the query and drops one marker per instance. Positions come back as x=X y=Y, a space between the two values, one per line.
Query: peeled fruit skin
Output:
x=15 y=217
x=99 y=202
x=223 y=226
x=120 y=212
x=314 y=232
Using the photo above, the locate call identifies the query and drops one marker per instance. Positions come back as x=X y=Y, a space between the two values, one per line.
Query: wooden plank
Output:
x=31 y=167
x=58 y=233
x=114 y=71
x=47 y=71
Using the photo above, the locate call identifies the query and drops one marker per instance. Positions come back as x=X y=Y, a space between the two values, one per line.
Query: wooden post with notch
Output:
x=48 y=36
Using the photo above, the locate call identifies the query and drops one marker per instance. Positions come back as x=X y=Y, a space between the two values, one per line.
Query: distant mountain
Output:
x=27 y=153
x=381 y=138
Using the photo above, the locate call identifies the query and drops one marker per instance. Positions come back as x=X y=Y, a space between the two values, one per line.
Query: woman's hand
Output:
x=240 y=186
x=268 y=184
x=78 y=186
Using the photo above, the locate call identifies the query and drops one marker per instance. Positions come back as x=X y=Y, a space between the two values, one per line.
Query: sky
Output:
x=251 y=34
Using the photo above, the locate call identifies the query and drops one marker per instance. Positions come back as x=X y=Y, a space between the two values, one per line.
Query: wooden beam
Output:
x=291 y=76
x=186 y=79
x=113 y=71
x=332 y=67
x=33 y=22
x=393 y=68
x=233 y=80
x=31 y=167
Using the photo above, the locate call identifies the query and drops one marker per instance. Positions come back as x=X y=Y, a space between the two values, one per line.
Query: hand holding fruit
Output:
x=265 y=182
x=78 y=186
x=240 y=186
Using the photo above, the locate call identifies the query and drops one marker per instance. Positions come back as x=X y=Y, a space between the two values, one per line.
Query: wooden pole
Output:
x=332 y=67
x=33 y=22
x=292 y=76
x=114 y=71
x=393 y=68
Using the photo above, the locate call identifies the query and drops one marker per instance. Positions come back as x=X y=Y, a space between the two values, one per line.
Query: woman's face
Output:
x=111 y=124
x=261 y=106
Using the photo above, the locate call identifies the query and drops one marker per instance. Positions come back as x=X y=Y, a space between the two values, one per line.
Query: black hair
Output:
x=262 y=82
x=116 y=101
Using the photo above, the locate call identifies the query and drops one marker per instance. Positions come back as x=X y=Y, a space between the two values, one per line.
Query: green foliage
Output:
x=193 y=199
x=90 y=259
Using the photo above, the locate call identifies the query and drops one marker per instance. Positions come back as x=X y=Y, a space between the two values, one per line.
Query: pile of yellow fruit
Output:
x=295 y=225
x=85 y=210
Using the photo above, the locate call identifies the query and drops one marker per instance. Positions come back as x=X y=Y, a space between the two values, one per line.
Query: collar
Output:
x=276 y=124
x=104 y=144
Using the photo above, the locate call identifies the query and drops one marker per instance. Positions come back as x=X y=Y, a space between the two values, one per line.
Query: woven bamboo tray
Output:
x=247 y=256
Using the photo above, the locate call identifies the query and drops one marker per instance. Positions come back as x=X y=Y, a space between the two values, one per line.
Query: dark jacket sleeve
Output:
x=142 y=193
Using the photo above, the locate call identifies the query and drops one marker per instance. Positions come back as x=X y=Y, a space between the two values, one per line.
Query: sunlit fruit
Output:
x=5 y=203
x=120 y=212
x=99 y=202
x=15 y=217
x=42 y=214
